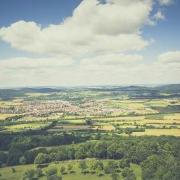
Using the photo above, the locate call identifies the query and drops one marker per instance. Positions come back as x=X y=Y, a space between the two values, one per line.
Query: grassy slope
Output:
x=7 y=174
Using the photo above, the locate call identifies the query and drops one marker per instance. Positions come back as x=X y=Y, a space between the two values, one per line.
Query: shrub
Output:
x=13 y=170
x=85 y=171
x=29 y=174
x=128 y=174
x=54 y=177
x=51 y=171
x=62 y=170
x=41 y=158
x=100 y=174
x=38 y=172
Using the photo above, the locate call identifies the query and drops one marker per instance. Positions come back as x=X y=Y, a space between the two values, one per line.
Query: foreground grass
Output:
x=8 y=174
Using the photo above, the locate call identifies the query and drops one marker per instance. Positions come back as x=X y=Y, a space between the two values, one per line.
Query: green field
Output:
x=138 y=128
x=7 y=173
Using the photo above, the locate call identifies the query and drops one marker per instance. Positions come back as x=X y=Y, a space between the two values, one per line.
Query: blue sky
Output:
x=28 y=31
x=43 y=12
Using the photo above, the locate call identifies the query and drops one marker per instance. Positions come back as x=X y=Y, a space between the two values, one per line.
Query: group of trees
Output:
x=149 y=152
x=18 y=146
x=163 y=167
x=35 y=174
x=93 y=166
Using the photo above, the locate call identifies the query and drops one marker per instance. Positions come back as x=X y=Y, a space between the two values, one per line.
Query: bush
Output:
x=62 y=170
x=100 y=174
x=72 y=172
x=38 y=172
x=13 y=170
x=128 y=174
x=115 y=176
x=70 y=167
x=85 y=171
x=51 y=171
x=123 y=163
x=29 y=174
x=110 y=167
x=54 y=177
x=41 y=158
x=22 y=160
x=93 y=172
x=83 y=165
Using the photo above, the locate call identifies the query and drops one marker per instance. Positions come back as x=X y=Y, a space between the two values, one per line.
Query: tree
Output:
x=41 y=158
x=89 y=122
x=3 y=157
x=123 y=163
x=163 y=167
x=38 y=172
x=13 y=170
x=111 y=167
x=128 y=174
x=150 y=166
x=100 y=150
x=54 y=177
x=70 y=167
x=14 y=155
x=83 y=165
x=98 y=165
x=115 y=176
x=51 y=171
x=29 y=174
x=22 y=160
x=62 y=170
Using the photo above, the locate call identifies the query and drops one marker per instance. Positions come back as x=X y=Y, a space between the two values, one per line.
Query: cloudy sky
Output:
x=89 y=42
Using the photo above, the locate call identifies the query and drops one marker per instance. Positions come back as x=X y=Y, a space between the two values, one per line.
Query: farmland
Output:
x=77 y=120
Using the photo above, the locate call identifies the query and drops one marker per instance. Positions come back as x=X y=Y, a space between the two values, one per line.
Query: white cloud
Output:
x=165 y=2
x=111 y=60
x=93 y=28
x=103 y=69
x=170 y=57
x=159 y=15
x=24 y=63
x=97 y=45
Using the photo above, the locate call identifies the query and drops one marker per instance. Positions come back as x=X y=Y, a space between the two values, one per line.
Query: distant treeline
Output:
x=132 y=91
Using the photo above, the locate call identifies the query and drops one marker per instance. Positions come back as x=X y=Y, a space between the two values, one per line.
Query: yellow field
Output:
x=20 y=127
x=4 y=116
x=158 y=132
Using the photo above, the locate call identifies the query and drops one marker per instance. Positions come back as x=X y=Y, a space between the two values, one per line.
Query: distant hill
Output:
x=172 y=90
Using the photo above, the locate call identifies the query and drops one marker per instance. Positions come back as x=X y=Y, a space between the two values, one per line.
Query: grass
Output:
x=7 y=173
x=21 y=127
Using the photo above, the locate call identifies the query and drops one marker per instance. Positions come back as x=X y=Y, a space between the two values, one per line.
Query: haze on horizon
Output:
x=89 y=42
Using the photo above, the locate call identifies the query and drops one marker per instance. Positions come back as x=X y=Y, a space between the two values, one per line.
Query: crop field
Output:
x=158 y=132
x=112 y=113
x=23 y=127
x=127 y=129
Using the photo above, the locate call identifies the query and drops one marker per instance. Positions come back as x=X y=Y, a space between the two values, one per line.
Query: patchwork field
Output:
x=131 y=133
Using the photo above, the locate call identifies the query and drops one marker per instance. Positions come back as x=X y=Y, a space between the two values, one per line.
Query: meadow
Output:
x=16 y=172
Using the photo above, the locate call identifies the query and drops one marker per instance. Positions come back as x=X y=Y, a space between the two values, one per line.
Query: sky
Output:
x=89 y=42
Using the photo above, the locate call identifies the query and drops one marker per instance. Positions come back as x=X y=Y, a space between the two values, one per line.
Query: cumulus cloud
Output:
x=112 y=60
x=170 y=57
x=25 y=63
x=93 y=28
x=98 y=44
x=98 y=70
